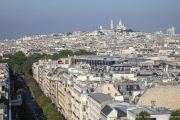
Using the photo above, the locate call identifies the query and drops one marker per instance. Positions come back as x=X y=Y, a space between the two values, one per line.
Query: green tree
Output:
x=55 y=56
x=56 y=118
x=47 y=57
x=65 y=53
x=80 y=52
x=44 y=102
x=19 y=90
x=143 y=115
x=129 y=30
x=16 y=69
x=175 y=115
x=18 y=58
x=26 y=69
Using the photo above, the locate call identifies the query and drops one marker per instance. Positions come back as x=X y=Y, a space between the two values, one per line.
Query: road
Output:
x=31 y=102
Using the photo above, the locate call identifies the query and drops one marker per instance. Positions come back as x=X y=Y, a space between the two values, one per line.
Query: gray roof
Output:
x=151 y=110
x=100 y=97
x=106 y=110
x=122 y=108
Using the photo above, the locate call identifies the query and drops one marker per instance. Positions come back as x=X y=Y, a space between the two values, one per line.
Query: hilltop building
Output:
x=120 y=26
x=171 y=31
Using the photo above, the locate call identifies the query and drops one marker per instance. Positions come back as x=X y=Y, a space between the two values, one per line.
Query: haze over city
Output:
x=26 y=18
x=89 y=60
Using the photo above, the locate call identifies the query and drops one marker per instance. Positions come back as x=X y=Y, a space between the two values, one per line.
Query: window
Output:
x=108 y=88
x=84 y=117
x=84 y=108
x=109 y=93
x=115 y=94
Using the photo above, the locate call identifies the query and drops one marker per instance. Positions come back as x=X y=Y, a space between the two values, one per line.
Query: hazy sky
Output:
x=30 y=17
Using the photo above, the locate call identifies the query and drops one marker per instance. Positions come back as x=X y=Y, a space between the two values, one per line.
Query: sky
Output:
x=20 y=18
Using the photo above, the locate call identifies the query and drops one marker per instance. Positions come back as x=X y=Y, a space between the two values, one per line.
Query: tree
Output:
x=47 y=57
x=65 y=53
x=129 y=30
x=18 y=64
x=44 y=102
x=143 y=115
x=175 y=115
x=26 y=69
x=18 y=58
x=56 y=118
x=16 y=69
x=55 y=56
x=19 y=91
x=80 y=52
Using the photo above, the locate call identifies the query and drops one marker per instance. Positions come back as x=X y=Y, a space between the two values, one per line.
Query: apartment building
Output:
x=97 y=102
x=73 y=99
x=43 y=70
x=69 y=98
x=4 y=90
x=3 y=112
x=81 y=92
x=115 y=110
x=4 y=81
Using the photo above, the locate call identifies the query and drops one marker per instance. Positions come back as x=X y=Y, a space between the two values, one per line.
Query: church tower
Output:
x=111 y=25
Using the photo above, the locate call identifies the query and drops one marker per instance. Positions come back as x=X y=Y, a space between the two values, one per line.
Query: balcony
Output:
x=61 y=93
x=83 y=102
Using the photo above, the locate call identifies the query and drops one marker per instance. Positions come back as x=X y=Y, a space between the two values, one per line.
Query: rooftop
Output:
x=150 y=110
x=100 y=97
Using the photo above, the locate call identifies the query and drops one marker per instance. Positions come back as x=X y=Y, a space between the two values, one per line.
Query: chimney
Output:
x=128 y=84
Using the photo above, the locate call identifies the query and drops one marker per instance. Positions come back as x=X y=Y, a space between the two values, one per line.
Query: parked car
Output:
x=16 y=116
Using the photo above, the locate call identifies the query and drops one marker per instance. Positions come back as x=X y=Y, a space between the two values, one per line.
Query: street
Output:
x=31 y=102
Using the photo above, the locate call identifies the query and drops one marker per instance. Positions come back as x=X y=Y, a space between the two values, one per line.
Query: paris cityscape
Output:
x=114 y=73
